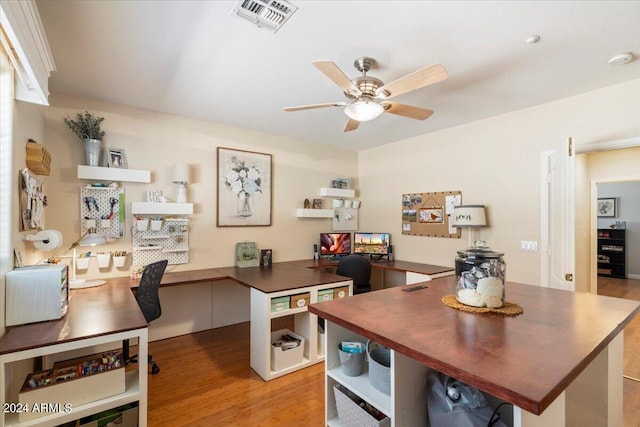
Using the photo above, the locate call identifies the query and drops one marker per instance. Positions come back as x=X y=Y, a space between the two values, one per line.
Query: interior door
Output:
x=558 y=221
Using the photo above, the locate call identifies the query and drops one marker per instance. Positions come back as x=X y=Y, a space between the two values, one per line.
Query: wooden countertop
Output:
x=92 y=312
x=527 y=360
x=281 y=276
x=394 y=265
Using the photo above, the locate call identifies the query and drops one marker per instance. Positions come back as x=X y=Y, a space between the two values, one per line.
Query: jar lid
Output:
x=480 y=250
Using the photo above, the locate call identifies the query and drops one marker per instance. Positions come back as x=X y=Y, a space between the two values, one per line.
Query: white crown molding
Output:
x=608 y=145
x=22 y=26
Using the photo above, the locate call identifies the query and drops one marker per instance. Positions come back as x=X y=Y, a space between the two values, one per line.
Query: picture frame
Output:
x=344 y=183
x=116 y=158
x=606 y=207
x=317 y=203
x=17 y=259
x=244 y=185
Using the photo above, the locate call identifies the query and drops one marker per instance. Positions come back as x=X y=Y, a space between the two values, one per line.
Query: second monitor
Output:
x=375 y=245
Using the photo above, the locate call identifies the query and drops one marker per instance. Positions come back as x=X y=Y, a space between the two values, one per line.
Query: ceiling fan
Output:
x=367 y=95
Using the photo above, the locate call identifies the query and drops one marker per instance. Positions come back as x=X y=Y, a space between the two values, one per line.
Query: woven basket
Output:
x=352 y=415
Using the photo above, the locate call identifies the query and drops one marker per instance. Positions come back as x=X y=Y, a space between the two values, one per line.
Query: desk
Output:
x=563 y=356
x=414 y=272
x=96 y=316
x=109 y=313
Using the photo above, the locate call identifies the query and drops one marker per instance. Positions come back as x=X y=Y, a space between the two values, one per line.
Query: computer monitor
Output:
x=376 y=244
x=335 y=244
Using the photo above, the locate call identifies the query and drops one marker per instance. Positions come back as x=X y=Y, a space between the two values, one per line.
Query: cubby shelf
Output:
x=113 y=174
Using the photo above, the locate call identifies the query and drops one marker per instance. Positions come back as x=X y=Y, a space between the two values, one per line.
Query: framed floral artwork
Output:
x=244 y=188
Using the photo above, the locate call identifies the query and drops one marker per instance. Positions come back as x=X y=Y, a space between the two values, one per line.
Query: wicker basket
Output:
x=353 y=415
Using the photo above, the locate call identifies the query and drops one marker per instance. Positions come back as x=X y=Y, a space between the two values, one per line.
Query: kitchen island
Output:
x=558 y=363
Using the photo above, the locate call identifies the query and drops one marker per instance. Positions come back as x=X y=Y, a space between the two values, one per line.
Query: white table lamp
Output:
x=181 y=177
x=469 y=216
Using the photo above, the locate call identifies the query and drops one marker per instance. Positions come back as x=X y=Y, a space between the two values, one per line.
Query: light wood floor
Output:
x=205 y=379
x=628 y=289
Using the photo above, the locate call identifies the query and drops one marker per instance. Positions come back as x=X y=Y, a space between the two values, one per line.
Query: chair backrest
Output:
x=147 y=294
x=358 y=268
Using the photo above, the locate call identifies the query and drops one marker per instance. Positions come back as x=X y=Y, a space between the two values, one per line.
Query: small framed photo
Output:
x=266 y=257
x=607 y=207
x=344 y=182
x=116 y=158
x=317 y=203
x=17 y=259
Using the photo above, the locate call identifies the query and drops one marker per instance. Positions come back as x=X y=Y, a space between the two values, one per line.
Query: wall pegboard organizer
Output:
x=169 y=241
x=102 y=209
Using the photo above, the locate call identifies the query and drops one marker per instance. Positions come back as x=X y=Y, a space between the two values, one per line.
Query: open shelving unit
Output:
x=305 y=325
x=612 y=252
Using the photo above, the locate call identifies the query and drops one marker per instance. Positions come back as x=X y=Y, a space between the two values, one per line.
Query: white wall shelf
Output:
x=314 y=213
x=113 y=174
x=337 y=192
x=151 y=208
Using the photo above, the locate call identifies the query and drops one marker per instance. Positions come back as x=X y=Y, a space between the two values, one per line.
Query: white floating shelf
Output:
x=314 y=213
x=150 y=208
x=113 y=174
x=337 y=192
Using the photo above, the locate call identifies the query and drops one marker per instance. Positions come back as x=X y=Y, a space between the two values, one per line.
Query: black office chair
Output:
x=358 y=268
x=149 y=302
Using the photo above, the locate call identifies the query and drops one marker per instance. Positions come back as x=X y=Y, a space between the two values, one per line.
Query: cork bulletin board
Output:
x=427 y=214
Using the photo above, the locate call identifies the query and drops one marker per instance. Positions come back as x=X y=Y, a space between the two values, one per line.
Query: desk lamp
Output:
x=181 y=177
x=469 y=216
x=89 y=238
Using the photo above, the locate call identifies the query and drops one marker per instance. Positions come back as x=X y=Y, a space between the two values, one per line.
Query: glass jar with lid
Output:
x=480 y=274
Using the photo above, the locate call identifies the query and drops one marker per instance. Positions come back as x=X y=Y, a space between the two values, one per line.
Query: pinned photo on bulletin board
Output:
x=428 y=214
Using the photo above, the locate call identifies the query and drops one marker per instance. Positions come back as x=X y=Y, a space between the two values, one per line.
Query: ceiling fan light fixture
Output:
x=363 y=109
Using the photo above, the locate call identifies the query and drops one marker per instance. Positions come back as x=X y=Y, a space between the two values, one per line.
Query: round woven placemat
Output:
x=508 y=309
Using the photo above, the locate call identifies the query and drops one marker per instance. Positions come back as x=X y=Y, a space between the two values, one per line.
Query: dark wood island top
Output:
x=527 y=360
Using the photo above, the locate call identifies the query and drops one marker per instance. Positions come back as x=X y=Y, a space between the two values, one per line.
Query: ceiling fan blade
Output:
x=331 y=70
x=407 y=110
x=416 y=80
x=351 y=125
x=313 y=106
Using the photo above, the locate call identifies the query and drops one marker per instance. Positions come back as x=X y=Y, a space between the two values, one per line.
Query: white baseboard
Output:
x=633 y=276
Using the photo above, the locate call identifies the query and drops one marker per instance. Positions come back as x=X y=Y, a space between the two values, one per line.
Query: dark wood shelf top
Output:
x=280 y=276
x=527 y=360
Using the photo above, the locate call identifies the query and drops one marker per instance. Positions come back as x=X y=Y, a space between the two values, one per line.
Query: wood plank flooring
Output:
x=205 y=379
x=628 y=289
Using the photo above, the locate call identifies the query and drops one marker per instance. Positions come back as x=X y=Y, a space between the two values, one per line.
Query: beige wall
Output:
x=495 y=162
x=154 y=142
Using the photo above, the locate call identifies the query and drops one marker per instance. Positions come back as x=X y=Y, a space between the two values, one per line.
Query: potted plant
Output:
x=87 y=127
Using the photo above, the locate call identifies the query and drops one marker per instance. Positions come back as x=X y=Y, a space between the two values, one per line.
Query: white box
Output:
x=36 y=293
x=283 y=359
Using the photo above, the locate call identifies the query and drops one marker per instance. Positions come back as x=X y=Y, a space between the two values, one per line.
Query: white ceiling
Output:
x=196 y=59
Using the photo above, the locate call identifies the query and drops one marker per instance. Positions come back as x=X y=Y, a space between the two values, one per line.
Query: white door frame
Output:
x=544 y=214
x=593 y=225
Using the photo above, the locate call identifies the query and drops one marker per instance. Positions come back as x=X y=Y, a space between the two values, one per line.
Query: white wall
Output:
x=154 y=141
x=495 y=162
x=627 y=195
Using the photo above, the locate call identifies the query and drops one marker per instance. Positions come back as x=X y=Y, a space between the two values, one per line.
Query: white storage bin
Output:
x=283 y=359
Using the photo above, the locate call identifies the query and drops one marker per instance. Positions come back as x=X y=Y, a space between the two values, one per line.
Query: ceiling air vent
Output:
x=270 y=14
